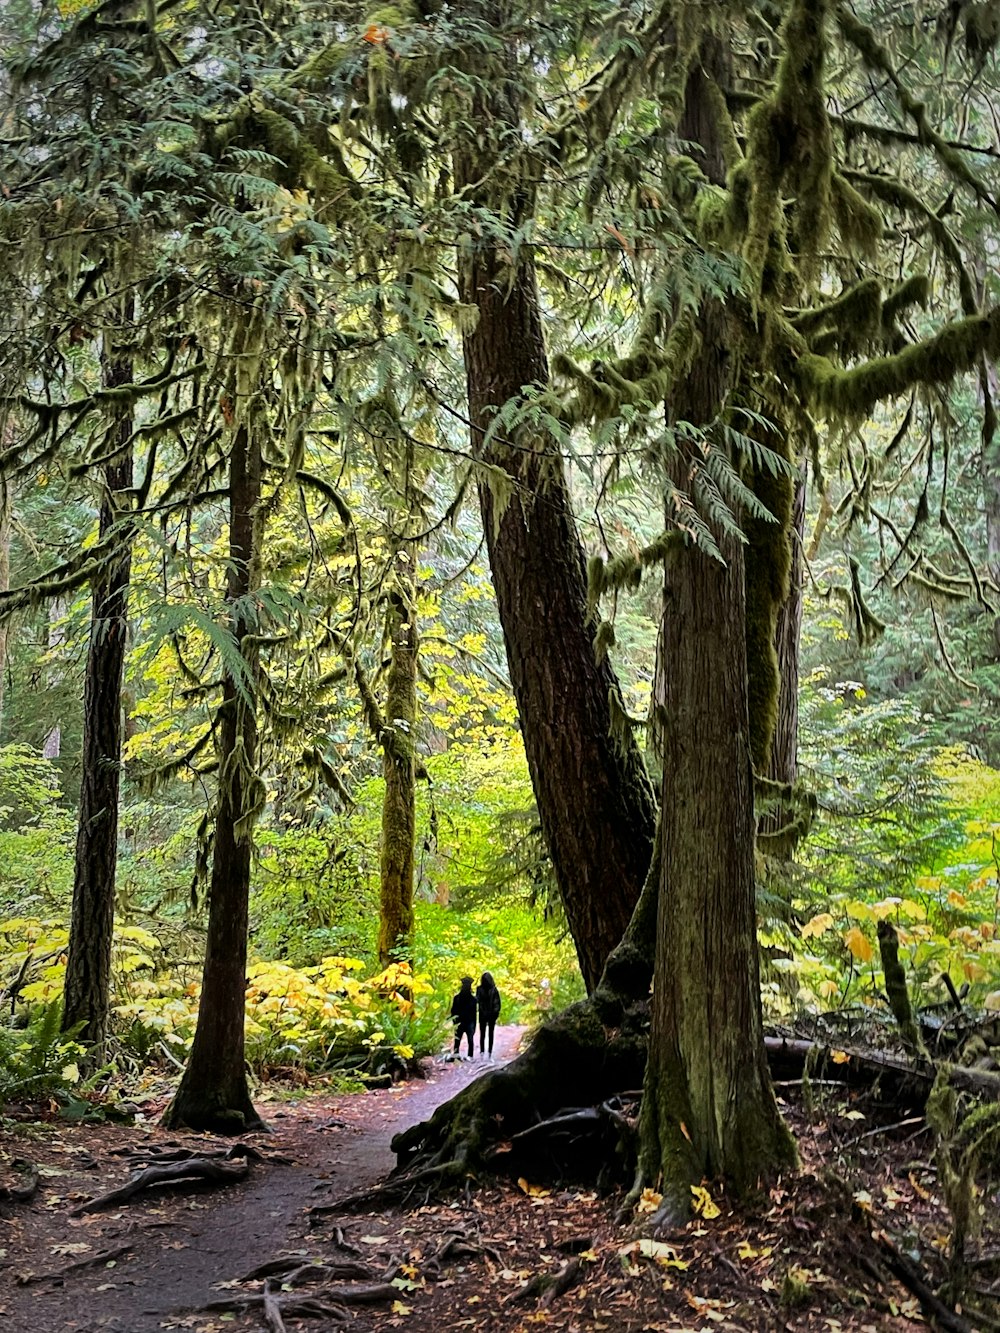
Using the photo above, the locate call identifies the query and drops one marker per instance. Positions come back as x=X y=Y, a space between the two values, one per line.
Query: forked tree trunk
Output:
x=87 y=986
x=213 y=1093
x=708 y=1107
x=594 y=800
x=395 y=934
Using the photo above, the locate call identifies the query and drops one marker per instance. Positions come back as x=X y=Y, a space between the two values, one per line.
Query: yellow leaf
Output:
x=649 y=1201
x=399 y=1308
x=956 y=899
x=817 y=926
x=71 y=1073
x=859 y=911
x=858 y=943
x=839 y=1057
x=704 y=1205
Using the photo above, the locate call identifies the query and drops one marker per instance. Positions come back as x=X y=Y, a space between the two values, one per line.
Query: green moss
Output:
x=915 y=291
x=860 y=224
x=857 y=310
x=850 y=395
x=789 y=144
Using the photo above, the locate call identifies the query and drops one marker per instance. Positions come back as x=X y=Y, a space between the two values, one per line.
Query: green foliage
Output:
x=906 y=834
x=36 y=834
x=38 y=1058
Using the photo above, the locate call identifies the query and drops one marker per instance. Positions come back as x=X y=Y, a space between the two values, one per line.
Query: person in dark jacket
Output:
x=488 y=1001
x=463 y=1015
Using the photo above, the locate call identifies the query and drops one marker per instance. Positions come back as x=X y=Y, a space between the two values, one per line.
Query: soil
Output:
x=811 y=1255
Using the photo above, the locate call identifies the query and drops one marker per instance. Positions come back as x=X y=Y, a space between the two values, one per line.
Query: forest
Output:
x=512 y=488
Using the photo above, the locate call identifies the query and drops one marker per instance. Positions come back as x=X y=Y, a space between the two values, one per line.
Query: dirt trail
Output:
x=184 y=1244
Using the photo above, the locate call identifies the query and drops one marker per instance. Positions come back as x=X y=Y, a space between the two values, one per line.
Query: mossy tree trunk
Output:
x=594 y=799
x=395 y=934
x=213 y=1093
x=87 y=986
x=6 y=517
x=708 y=1107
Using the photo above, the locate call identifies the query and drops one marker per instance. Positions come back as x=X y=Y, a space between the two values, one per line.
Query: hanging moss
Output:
x=604 y=639
x=860 y=225
x=915 y=291
x=789 y=142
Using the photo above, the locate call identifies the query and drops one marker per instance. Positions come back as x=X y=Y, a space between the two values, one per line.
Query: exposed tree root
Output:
x=548 y=1287
x=24 y=1191
x=221 y=1170
x=57 y=1275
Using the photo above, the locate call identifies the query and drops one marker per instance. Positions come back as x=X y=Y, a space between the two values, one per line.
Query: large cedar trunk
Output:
x=708 y=1107
x=594 y=799
x=213 y=1093
x=87 y=987
x=395 y=934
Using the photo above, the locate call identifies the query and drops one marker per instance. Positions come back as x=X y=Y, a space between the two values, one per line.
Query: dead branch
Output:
x=548 y=1287
x=788 y=1055
x=905 y=1271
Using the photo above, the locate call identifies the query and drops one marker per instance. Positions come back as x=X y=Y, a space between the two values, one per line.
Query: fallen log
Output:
x=788 y=1057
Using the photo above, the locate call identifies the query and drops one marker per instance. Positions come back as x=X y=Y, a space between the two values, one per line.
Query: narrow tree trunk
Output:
x=708 y=1106
x=594 y=799
x=213 y=1093
x=87 y=987
x=6 y=515
x=783 y=765
x=395 y=935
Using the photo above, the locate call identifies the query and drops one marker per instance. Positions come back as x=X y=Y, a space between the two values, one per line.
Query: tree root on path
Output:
x=223 y=1169
x=57 y=1275
x=23 y=1192
x=548 y=1287
x=326 y=1303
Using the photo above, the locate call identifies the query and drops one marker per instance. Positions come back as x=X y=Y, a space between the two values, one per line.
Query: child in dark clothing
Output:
x=463 y=1015
x=488 y=1001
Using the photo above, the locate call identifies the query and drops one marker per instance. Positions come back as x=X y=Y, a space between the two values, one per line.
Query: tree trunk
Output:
x=395 y=934
x=87 y=987
x=783 y=765
x=213 y=1093
x=708 y=1107
x=594 y=799
x=6 y=516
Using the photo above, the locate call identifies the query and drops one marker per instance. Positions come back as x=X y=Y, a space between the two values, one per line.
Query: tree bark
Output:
x=783 y=764
x=708 y=1107
x=87 y=986
x=213 y=1093
x=6 y=515
x=395 y=935
x=594 y=799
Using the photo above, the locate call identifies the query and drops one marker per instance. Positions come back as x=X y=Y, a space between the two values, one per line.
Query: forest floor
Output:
x=815 y=1254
